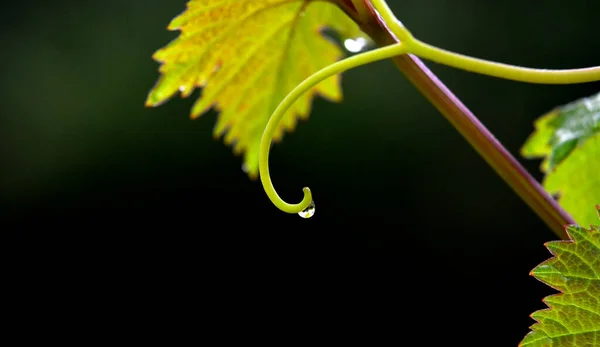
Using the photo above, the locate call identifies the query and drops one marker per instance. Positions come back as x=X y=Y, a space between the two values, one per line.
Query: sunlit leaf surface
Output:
x=568 y=140
x=246 y=55
x=560 y=131
x=577 y=181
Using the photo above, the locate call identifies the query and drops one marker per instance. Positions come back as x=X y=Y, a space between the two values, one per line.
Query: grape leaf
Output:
x=560 y=131
x=577 y=181
x=568 y=140
x=246 y=55
x=573 y=316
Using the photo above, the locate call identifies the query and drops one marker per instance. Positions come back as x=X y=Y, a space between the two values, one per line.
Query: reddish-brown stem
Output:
x=484 y=142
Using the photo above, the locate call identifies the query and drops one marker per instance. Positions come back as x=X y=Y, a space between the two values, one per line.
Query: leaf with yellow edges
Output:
x=246 y=55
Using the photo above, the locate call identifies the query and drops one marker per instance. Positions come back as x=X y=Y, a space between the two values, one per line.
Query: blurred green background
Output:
x=405 y=207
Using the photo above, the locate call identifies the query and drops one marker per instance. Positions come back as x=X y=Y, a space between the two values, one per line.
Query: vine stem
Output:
x=476 y=134
x=377 y=20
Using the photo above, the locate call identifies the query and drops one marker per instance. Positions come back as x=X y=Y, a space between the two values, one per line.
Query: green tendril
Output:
x=505 y=71
x=408 y=44
x=392 y=23
x=288 y=101
x=481 y=66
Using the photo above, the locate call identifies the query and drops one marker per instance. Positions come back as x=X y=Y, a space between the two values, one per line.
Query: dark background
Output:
x=411 y=223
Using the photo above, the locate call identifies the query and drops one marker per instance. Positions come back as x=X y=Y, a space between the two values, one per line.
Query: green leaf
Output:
x=560 y=131
x=246 y=55
x=573 y=317
x=577 y=181
x=568 y=140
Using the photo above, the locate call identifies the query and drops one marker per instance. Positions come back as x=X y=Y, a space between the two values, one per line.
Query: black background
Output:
x=143 y=206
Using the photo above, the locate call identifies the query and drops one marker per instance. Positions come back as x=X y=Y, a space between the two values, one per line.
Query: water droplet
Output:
x=309 y=211
x=245 y=168
x=182 y=88
x=355 y=45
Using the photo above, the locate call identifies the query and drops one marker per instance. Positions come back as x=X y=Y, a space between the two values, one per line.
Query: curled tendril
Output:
x=288 y=101
x=408 y=44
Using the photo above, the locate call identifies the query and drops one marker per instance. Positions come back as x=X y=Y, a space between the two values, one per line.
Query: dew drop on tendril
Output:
x=309 y=211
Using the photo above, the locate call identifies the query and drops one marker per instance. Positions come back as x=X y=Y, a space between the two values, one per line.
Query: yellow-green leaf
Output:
x=560 y=131
x=246 y=55
x=577 y=181
x=568 y=140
